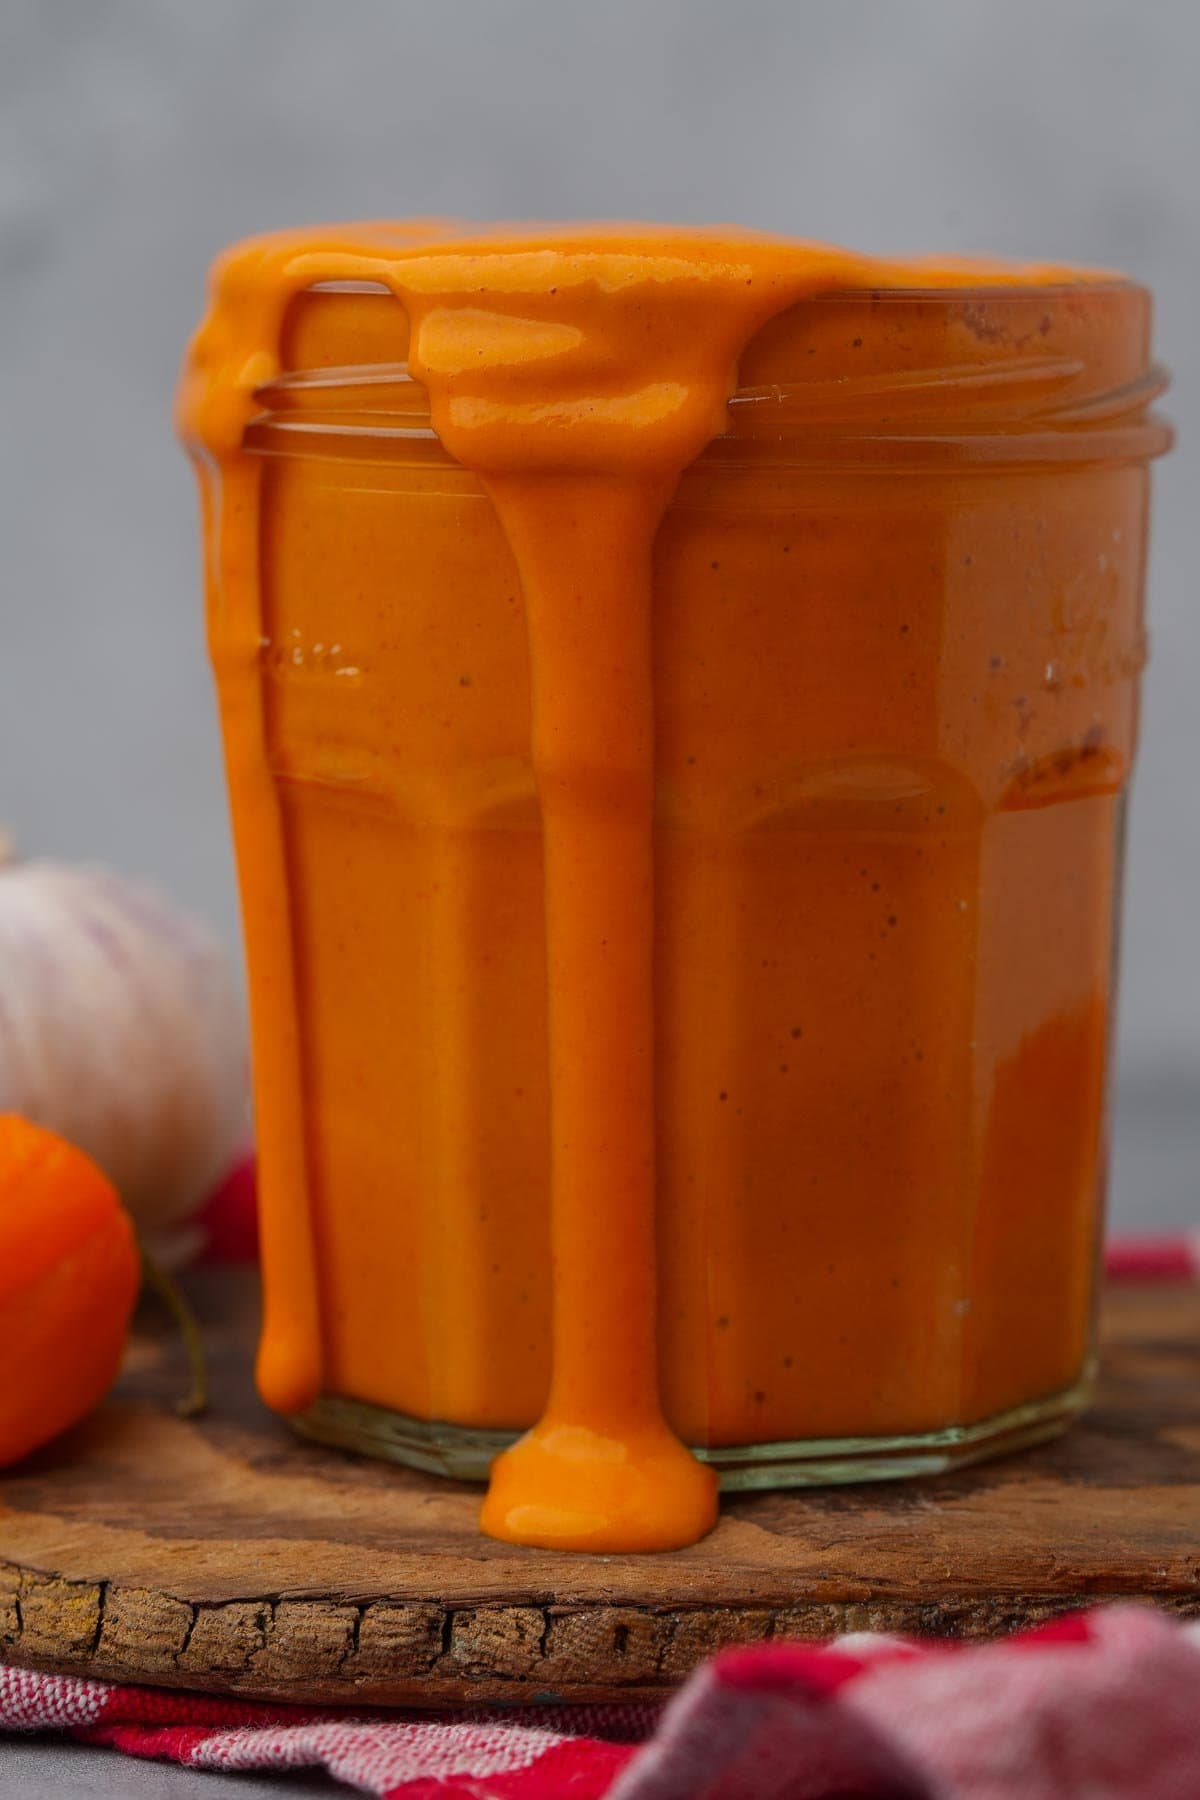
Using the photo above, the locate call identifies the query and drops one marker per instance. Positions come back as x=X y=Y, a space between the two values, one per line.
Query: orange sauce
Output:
x=578 y=374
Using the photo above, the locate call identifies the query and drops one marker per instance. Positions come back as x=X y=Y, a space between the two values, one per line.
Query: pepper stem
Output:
x=172 y=1296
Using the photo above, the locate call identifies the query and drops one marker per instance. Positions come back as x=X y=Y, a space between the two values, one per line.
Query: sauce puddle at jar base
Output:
x=568 y=1487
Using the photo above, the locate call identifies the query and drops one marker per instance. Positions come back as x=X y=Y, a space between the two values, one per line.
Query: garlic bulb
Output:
x=122 y=1029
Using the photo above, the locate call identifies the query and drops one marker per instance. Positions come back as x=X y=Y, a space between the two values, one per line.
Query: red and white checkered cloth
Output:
x=1174 y=1258
x=1100 y=1706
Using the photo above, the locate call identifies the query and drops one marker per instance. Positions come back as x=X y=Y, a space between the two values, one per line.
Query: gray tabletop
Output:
x=47 y=1769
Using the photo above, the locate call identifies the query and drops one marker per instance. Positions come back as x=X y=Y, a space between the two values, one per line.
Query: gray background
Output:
x=139 y=136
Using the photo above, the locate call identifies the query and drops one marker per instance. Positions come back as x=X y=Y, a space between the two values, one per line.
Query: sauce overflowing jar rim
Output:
x=1028 y=404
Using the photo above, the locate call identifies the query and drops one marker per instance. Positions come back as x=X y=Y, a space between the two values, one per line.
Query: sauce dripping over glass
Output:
x=578 y=372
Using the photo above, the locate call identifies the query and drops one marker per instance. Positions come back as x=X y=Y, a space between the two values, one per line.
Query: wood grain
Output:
x=228 y=1555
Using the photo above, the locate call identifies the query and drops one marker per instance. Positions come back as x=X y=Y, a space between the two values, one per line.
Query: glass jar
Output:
x=898 y=642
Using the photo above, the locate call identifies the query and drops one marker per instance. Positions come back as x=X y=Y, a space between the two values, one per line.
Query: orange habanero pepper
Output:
x=69 y=1277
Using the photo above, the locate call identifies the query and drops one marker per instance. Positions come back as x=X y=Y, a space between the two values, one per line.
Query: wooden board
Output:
x=227 y=1554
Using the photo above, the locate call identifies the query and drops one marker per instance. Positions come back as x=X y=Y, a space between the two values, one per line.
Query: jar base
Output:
x=464 y=1453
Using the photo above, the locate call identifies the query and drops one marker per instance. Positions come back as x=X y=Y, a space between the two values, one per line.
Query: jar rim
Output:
x=994 y=373
x=1087 y=285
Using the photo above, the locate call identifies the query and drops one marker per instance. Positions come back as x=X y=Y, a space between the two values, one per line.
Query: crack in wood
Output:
x=101 y=1615
x=189 y=1628
x=351 y=1650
